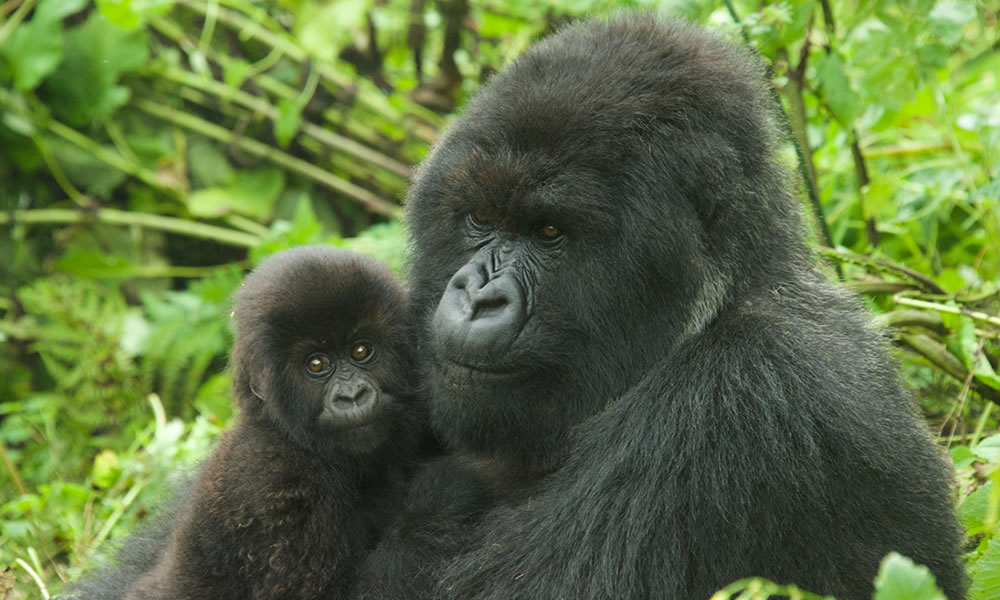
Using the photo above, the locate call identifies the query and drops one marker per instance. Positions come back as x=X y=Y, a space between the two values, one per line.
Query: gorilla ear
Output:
x=248 y=389
x=712 y=169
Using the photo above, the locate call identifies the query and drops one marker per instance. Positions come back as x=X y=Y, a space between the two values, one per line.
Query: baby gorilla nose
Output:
x=352 y=403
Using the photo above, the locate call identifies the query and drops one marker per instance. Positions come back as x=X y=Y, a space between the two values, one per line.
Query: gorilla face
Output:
x=321 y=349
x=578 y=221
x=543 y=295
x=524 y=344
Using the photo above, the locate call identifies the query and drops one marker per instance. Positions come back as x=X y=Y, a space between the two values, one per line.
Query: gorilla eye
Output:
x=479 y=218
x=362 y=352
x=550 y=232
x=318 y=364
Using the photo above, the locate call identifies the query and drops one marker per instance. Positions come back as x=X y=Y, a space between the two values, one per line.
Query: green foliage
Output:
x=900 y=579
x=188 y=333
x=151 y=152
x=78 y=329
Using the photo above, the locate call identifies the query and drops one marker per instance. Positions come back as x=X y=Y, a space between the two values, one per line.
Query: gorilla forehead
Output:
x=630 y=119
x=526 y=185
x=316 y=291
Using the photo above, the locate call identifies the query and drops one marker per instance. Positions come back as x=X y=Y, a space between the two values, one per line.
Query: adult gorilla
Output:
x=622 y=317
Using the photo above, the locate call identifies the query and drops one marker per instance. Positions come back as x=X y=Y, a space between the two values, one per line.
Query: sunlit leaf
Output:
x=252 y=193
x=973 y=510
x=288 y=122
x=899 y=578
x=120 y=12
x=986 y=573
x=947 y=19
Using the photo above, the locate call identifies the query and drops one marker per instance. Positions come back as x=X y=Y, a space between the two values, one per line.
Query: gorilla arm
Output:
x=259 y=526
x=444 y=501
x=741 y=455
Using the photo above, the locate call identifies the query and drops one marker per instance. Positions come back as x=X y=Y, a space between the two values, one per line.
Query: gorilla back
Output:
x=621 y=308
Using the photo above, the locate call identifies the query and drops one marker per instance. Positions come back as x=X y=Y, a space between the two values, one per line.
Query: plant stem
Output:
x=325 y=136
x=883 y=265
x=76 y=138
x=188 y=121
x=110 y=158
x=62 y=181
x=945 y=361
x=120 y=217
x=944 y=308
x=12 y=470
x=368 y=96
x=15 y=19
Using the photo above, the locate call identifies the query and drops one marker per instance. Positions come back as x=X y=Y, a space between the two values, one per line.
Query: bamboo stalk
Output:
x=121 y=217
x=369 y=200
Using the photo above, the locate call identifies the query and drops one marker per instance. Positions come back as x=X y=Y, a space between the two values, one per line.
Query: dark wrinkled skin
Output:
x=297 y=493
x=663 y=396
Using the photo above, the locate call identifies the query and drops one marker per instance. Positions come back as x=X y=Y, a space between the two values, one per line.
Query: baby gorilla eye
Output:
x=318 y=364
x=362 y=352
x=550 y=232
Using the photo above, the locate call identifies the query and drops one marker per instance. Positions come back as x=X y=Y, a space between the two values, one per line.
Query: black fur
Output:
x=297 y=492
x=684 y=401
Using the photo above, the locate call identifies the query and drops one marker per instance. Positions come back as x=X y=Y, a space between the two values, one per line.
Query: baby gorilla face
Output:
x=322 y=351
x=351 y=400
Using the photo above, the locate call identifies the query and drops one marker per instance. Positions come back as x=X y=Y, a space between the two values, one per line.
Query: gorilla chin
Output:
x=480 y=411
x=363 y=439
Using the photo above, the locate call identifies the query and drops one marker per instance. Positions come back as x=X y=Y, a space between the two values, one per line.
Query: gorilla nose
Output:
x=353 y=402
x=478 y=315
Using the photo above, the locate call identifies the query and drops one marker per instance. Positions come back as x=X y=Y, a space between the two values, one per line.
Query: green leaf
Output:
x=947 y=19
x=961 y=456
x=990 y=380
x=208 y=164
x=383 y=241
x=843 y=101
x=235 y=72
x=252 y=193
x=973 y=510
x=986 y=574
x=120 y=12
x=216 y=202
x=106 y=469
x=93 y=265
x=135 y=332
x=933 y=56
x=289 y=120
x=951 y=281
x=57 y=10
x=303 y=229
x=32 y=52
x=900 y=579
x=96 y=54
x=988 y=449
x=494 y=24
x=84 y=169
x=968 y=342
x=324 y=28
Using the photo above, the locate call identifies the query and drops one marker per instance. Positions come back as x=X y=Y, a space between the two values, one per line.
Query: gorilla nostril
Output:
x=487 y=306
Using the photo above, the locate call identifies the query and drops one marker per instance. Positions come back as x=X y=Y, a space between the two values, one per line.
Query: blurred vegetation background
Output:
x=151 y=151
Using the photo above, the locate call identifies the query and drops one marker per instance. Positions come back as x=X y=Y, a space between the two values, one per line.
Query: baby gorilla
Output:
x=295 y=495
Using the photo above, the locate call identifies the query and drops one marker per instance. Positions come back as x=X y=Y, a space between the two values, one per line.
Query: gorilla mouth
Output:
x=458 y=375
x=479 y=367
